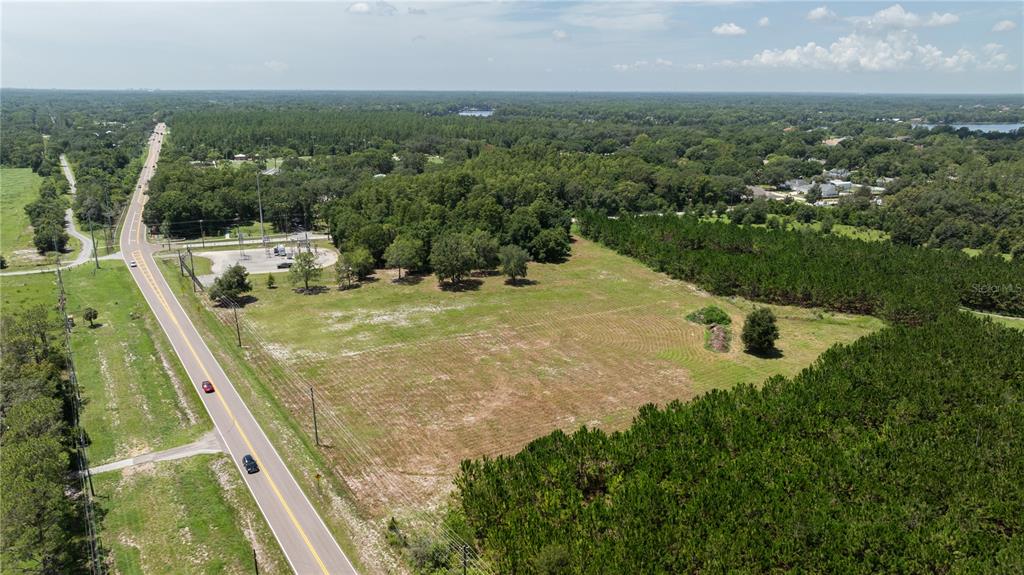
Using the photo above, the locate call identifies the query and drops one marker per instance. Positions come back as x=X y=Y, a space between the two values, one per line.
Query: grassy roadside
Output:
x=137 y=398
x=600 y=322
x=362 y=543
x=186 y=516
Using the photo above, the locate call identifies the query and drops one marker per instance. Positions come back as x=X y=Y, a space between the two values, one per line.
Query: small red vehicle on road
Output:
x=207 y=387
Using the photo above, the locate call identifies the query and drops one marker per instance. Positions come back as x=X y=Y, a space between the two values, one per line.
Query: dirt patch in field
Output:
x=399 y=420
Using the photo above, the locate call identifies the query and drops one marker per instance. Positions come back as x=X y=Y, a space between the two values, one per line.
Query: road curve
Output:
x=86 y=252
x=69 y=217
x=305 y=539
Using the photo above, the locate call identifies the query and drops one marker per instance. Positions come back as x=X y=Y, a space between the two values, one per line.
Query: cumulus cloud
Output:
x=894 y=51
x=764 y=21
x=559 y=35
x=728 y=29
x=820 y=13
x=1004 y=26
x=994 y=57
x=643 y=65
x=380 y=7
x=359 y=8
x=896 y=16
x=416 y=11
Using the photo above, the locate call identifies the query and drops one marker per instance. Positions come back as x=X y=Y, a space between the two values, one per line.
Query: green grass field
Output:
x=18 y=187
x=413 y=379
x=137 y=398
x=186 y=516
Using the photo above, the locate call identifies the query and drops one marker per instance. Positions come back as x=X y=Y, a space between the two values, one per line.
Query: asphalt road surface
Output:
x=301 y=533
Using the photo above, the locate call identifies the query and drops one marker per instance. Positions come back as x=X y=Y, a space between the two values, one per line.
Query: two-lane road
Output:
x=301 y=533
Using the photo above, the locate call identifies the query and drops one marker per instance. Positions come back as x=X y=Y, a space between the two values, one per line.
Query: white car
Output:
x=132 y=264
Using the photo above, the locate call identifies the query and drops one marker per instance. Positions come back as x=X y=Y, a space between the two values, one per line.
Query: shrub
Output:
x=710 y=315
x=760 y=331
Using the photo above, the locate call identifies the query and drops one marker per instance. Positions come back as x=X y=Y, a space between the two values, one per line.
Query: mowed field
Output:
x=187 y=516
x=18 y=188
x=410 y=379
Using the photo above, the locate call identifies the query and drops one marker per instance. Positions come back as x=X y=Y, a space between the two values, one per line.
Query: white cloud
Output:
x=820 y=13
x=359 y=8
x=559 y=35
x=941 y=19
x=1004 y=26
x=895 y=51
x=764 y=21
x=896 y=16
x=658 y=63
x=416 y=11
x=995 y=58
x=276 y=66
x=728 y=29
x=616 y=17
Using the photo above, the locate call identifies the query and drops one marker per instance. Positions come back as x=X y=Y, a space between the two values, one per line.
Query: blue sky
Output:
x=918 y=47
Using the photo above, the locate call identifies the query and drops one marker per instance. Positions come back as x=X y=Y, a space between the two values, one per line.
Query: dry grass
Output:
x=411 y=379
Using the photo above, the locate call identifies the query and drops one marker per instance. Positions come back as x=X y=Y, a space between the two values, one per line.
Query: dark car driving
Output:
x=250 y=464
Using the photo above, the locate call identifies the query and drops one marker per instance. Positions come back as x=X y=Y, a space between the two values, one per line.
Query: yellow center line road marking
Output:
x=144 y=268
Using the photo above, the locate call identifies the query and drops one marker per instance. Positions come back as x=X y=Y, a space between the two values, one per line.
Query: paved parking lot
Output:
x=256 y=261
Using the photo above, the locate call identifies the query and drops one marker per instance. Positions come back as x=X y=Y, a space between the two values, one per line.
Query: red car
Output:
x=207 y=387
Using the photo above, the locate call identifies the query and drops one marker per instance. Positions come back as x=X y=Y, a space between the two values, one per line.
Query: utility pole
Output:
x=465 y=548
x=238 y=331
x=316 y=430
x=241 y=250
x=95 y=252
x=181 y=263
x=259 y=197
x=192 y=270
x=202 y=233
x=255 y=563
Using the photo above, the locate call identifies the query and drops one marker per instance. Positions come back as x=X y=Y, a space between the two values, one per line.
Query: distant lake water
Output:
x=477 y=113
x=979 y=127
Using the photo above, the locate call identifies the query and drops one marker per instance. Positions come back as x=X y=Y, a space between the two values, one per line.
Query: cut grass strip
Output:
x=185 y=516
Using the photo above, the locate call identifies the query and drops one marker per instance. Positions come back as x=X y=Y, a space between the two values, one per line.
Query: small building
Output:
x=838 y=173
x=842 y=185
x=828 y=191
x=241 y=157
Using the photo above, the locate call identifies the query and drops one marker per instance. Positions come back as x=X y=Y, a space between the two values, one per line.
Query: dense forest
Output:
x=898 y=283
x=103 y=139
x=897 y=453
x=42 y=525
x=632 y=153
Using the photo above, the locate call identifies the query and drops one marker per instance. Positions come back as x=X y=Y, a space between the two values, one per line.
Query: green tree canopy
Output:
x=759 y=331
x=231 y=285
x=513 y=261
x=305 y=270
x=452 y=257
x=404 y=253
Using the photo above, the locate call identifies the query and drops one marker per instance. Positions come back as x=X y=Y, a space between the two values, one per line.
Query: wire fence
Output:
x=84 y=474
x=362 y=463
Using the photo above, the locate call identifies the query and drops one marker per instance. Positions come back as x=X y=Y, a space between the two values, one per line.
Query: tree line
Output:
x=41 y=515
x=898 y=283
x=46 y=214
x=865 y=462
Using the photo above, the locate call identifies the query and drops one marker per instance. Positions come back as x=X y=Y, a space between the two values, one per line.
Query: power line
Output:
x=84 y=475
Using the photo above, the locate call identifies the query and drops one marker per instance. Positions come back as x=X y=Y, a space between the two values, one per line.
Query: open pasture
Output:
x=411 y=379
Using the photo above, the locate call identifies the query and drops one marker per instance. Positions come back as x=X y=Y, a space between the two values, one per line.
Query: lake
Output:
x=976 y=127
